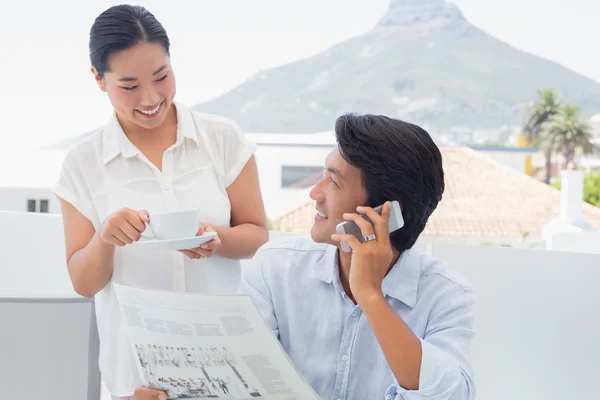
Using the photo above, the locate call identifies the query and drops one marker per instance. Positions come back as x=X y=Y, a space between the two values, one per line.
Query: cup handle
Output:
x=148 y=234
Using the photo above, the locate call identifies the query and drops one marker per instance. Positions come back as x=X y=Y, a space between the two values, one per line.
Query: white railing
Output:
x=537 y=311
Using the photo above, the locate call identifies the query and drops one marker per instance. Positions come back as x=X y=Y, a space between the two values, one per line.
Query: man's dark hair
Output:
x=121 y=27
x=398 y=161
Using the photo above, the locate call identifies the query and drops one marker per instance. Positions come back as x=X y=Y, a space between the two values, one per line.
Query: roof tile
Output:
x=483 y=198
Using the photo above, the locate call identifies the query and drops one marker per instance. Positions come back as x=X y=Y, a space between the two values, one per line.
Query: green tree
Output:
x=567 y=133
x=591 y=188
x=544 y=109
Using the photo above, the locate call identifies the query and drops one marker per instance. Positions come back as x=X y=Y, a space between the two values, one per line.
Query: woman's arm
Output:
x=248 y=229
x=90 y=253
x=89 y=258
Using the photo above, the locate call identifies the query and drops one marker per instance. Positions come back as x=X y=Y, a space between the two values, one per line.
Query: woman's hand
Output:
x=123 y=227
x=207 y=249
x=143 y=393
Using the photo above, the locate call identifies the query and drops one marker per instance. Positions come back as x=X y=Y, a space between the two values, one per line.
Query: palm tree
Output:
x=567 y=133
x=546 y=107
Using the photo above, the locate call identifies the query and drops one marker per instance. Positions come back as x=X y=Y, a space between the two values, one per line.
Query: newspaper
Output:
x=196 y=346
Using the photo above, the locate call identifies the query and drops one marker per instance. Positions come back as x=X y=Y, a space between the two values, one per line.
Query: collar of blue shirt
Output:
x=400 y=283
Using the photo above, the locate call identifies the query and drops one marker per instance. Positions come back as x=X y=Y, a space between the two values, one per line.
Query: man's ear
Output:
x=99 y=79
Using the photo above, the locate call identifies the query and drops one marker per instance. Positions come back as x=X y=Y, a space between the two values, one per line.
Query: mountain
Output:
x=422 y=62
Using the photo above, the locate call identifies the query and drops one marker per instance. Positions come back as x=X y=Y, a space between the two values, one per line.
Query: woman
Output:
x=154 y=155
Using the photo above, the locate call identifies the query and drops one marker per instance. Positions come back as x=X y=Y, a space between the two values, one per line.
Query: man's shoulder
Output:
x=439 y=273
x=287 y=260
x=294 y=243
x=290 y=253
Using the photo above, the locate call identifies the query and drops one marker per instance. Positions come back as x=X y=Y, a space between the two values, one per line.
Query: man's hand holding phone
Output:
x=395 y=221
x=372 y=257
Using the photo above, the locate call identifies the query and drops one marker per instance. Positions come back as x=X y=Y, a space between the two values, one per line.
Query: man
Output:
x=383 y=321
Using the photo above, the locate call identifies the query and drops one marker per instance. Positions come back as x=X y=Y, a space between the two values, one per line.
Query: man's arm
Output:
x=437 y=366
x=257 y=287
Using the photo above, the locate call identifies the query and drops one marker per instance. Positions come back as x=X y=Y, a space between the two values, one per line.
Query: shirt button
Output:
x=354 y=313
x=388 y=397
x=344 y=358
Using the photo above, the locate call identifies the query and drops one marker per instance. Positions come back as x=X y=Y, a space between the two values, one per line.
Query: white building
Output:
x=594 y=123
x=26 y=179
x=290 y=164
x=284 y=161
x=517 y=158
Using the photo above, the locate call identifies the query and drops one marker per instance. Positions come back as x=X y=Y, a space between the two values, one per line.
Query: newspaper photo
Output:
x=195 y=346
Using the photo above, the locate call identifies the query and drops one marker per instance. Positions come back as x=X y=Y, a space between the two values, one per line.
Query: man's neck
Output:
x=344 y=266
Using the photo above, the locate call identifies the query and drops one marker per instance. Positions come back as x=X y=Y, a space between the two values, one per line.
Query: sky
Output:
x=48 y=92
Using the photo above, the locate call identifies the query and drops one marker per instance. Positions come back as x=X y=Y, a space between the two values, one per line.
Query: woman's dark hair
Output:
x=398 y=161
x=121 y=27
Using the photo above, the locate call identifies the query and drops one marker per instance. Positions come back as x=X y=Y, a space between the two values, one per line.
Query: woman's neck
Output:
x=164 y=133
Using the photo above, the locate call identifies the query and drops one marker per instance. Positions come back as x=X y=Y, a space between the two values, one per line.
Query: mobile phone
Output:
x=395 y=222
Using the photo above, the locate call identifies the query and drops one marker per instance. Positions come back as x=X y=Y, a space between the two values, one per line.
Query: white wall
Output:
x=531 y=242
x=32 y=256
x=537 y=321
x=583 y=242
x=48 y=340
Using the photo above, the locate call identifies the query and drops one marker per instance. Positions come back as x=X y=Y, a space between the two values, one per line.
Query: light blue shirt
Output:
x=295 y=284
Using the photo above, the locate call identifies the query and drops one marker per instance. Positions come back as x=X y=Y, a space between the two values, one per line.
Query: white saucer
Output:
x=176 y=244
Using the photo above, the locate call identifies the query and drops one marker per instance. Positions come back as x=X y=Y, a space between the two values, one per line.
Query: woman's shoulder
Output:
x=214 y=122
x=86 y=146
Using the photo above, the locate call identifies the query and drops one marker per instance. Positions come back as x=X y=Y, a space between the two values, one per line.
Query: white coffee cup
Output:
x=173 y=225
